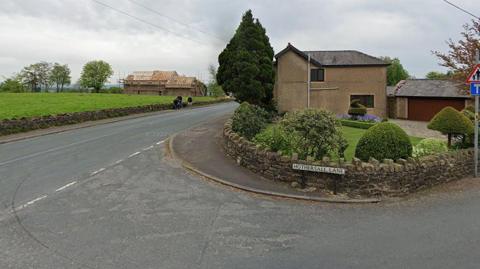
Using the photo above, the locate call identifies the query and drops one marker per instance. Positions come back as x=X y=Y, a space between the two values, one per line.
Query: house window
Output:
x=366 y=100
x=317 y=75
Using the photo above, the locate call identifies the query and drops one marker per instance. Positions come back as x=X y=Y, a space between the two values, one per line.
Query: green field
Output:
x=17 y=105
x=354 y=134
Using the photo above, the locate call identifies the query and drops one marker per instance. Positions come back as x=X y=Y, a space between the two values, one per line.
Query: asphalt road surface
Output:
x=109 y=196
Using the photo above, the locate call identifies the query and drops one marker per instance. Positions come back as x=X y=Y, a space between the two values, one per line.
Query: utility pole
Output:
x=476 y=122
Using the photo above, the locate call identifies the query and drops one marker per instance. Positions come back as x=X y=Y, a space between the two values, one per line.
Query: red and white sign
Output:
x=475 y=75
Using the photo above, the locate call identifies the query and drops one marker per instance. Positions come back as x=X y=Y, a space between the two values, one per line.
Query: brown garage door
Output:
x=423 y=109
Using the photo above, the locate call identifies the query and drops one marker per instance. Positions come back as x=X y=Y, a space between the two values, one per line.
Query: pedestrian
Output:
x=175 y=104
x=190 y=101
x=180 y=103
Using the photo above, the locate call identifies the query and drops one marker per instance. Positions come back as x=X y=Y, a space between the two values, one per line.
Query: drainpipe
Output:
x=308 y=82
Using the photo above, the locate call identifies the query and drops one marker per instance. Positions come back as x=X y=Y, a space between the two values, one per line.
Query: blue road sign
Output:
x=475 y=88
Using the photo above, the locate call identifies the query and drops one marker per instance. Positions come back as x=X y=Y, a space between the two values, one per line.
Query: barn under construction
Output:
x=163 y=83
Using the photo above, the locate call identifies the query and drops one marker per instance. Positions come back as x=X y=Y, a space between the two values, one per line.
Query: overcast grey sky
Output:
x=76 y=31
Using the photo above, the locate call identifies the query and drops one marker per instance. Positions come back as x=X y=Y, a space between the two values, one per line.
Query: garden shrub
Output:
x=275 y=138
x=357 y=109
x=429 y=146
x=452 y=123
x=248 y=120
x=470 y=108
x=318 y=133
x=467 y=141
x=384 y=141
x=469 y=114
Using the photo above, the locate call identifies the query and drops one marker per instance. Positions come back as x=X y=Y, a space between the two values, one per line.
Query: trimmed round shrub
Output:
x=469 y=114
x=429 y=146
x=384 y=141
x=470 y=108
x=451 y=122
x=357 y=109
x=317 y=133
x=248 y=120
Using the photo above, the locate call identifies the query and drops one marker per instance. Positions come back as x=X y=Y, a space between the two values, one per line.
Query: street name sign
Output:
x=319 y=169
x=475 y=88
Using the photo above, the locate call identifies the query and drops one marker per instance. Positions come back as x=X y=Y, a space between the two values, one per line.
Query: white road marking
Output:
x=66 y=186
x=134 y=154
x=35 y=200
x=118 y=162
x=149 y=148
x=161 y=142
x=98 y=171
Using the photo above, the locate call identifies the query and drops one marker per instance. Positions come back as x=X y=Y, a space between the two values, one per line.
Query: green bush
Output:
x=248 y=120
x=357 y=109
x=275 y=138
x=112 y=90
x=384 y=141
x=358 y=124
x=317 y=131
x=429 y=146
x=470 y=108
x=452 y=123
x=469 y=114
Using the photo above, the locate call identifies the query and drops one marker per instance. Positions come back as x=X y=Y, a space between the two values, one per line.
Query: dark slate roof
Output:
x=336 y=58
x=345 y=58
x=430 y=88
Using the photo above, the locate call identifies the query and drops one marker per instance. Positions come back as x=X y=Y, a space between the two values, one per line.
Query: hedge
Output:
x=358 y=124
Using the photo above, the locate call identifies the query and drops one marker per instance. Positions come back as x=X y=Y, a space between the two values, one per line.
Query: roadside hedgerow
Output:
x=384 y=141
x=451 y=122
x=317 y=133
x=429 y=146
x=248 y=120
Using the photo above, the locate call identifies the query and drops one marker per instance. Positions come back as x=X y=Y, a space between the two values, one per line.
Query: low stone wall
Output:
x=27 y=124
x=373 y=178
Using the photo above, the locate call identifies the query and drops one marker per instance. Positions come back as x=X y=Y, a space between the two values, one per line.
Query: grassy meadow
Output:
x=17 y=105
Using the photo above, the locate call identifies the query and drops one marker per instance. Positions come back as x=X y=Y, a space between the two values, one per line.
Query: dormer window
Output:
x=317 y=74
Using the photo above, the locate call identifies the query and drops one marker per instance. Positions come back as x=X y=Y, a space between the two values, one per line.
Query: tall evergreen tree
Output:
x=246 y=64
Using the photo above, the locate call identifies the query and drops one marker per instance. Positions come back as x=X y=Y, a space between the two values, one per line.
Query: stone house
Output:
x=162 y=83
x=421 y=99
x=336 y=78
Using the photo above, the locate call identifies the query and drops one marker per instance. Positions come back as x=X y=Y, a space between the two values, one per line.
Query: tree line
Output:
x=42 y=76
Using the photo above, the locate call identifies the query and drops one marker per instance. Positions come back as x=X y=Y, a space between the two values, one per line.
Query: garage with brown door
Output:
x=422 y=99
x=424 y=109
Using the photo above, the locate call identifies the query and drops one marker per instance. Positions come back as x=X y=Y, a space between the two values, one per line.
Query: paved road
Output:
x=147 y=212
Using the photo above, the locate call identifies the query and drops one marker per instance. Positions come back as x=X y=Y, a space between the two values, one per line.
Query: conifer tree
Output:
x=246 y=64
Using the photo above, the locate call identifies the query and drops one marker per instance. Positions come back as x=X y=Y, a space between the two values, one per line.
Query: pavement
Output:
x=133 y=206
x=418 y=129
x=200 y=149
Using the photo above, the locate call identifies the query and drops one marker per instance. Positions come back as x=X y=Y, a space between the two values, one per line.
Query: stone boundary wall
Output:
x=12 y=126
x=373 y=178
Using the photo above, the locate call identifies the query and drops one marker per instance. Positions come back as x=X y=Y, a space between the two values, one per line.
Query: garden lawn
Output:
x=354 y=134
x=17 y=105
